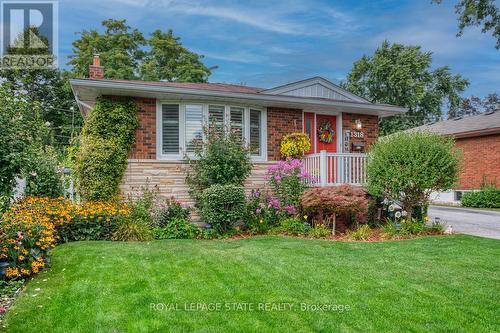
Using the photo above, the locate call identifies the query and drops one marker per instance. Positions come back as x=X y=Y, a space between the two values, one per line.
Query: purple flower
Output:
x=290 y=209
x=258 y=210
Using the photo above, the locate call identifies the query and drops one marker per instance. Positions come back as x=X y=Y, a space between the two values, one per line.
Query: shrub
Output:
x=93 y=221
x=264 y=211
x=170 y=210
x=327 y=202
x=319 y=231
x=293 y=226
x=221 y=159
x=294 y=145
x=486 y=198
x=107 y=136
x=132 y=230
x=42 y=177
x=222 y=206
x=177 y=228
x=288 y=180
x=360 y=234
x=408 y=166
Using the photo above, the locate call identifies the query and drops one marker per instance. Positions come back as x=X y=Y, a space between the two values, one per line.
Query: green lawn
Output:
x=437 y=284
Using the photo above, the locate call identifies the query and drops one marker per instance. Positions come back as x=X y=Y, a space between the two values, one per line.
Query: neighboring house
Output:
x=173 y=113
x=478 y=138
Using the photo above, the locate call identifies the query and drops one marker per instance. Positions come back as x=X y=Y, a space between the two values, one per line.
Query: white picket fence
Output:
x=336 y=168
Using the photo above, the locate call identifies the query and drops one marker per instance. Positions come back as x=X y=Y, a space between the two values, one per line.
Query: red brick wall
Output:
x=145 y=136
x=280 y=121
x=480 y=160
x=370 y=127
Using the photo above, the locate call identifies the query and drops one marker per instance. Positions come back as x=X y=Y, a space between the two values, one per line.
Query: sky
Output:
x=269 y=43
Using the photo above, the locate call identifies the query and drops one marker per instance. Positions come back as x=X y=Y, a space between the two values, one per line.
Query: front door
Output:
x=326 y=133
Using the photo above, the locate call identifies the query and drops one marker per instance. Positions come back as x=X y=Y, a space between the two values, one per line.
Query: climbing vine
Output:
x=106 y=139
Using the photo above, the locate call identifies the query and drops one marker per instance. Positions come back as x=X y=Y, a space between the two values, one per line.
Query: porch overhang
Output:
x=86 y=92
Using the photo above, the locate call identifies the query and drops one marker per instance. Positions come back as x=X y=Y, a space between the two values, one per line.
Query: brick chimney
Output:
x=96 y=71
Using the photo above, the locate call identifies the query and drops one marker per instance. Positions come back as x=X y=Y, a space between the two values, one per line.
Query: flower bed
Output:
x=31 y=227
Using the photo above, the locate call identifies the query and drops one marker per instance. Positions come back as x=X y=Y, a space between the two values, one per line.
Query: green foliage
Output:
x=100 y=167
x=360 y=234
x=21 y=132
x=320 y=231
x=168 y=211
x=42 y=176
x=126 y=54
x=106 y=140
x=486 y=198
x=177 y=228
x=222 y=159
x=86 y=228
x=132 y=230
x=407 y=167
x=223 y=206
x=137 y=226
x=47 y=86
x=402 y=75
x=484 y=13
x=10 y=287
x=293 y=226
x=119 y=48
x=168 y=60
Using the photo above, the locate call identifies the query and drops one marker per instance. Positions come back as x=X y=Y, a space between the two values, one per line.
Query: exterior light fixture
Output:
x=359 y=125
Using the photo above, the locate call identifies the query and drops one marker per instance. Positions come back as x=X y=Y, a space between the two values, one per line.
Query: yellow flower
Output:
x=305 y=217
x=21 y=258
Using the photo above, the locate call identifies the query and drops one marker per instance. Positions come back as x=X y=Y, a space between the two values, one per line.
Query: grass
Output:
x=437 y=284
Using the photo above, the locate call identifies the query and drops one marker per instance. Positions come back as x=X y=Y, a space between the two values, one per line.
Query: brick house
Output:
x=478 y=139
x=172 y=114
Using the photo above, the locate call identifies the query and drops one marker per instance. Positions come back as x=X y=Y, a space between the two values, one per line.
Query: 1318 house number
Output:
x=357 y=134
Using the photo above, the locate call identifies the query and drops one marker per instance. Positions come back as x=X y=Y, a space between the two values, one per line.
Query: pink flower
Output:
x=290 y=209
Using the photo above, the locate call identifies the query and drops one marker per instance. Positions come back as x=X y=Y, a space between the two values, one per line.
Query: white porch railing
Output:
x=336 y=168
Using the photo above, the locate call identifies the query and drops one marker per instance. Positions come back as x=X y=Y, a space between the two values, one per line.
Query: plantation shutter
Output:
x=237 y=116
x=216 y=117
x=255 y=132
x=170 y=128
x=194 y=125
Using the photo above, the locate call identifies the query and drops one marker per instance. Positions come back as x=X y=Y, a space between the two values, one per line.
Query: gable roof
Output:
x=315 y=87
x=482 y=124
x=315 y=94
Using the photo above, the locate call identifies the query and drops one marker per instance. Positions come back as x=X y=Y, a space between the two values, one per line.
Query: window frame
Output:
x=181 y=156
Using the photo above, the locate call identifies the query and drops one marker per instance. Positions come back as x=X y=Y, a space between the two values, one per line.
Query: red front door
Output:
x=324 y=122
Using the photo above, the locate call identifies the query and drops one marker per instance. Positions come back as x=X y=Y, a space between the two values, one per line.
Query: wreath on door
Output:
x=326 y=132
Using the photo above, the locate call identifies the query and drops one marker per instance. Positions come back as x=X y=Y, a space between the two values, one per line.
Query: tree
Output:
x=126 y=54
x=47 y=86
x=402 y=75
x=21 y=131
x=482 y=13
x=474 y=105
x=119 y=48
x=169 y=60
x=408 y=166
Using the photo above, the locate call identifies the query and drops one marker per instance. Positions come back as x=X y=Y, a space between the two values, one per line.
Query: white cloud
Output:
x=238 y=56
x=285 y=17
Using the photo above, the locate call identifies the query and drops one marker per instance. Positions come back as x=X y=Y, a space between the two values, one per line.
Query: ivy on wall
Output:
x=106 y=139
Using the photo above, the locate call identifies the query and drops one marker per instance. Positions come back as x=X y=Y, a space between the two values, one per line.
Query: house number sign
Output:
x=357 y=134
